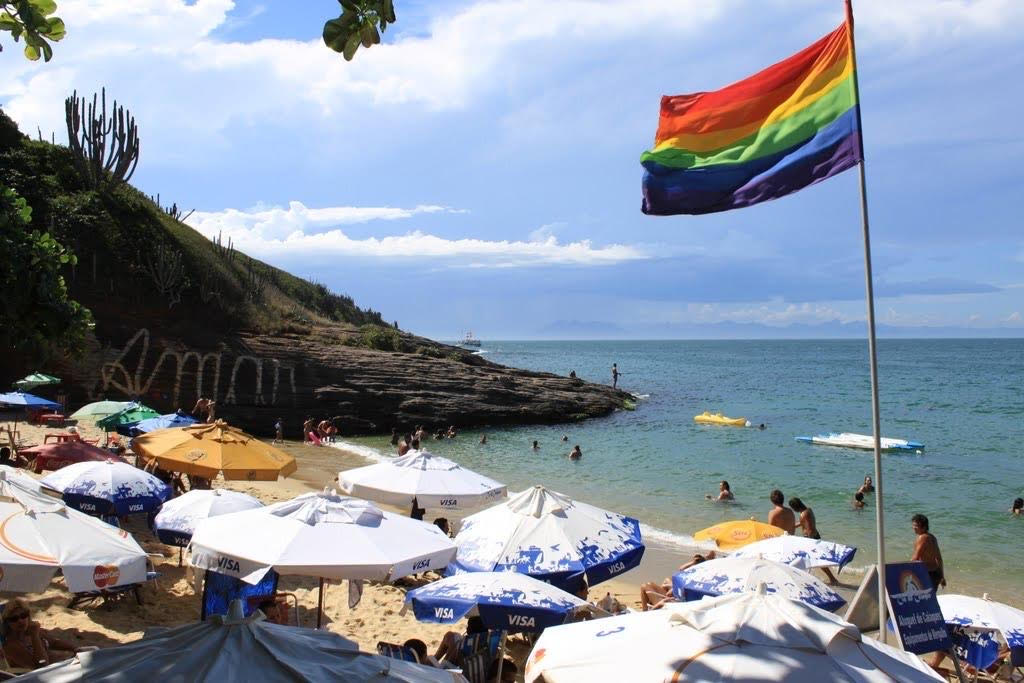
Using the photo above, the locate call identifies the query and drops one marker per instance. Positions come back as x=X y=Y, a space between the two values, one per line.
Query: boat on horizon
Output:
x=469 y=340
x=861 y=441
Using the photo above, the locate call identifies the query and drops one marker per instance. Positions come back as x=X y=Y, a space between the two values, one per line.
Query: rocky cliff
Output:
x=178 y=316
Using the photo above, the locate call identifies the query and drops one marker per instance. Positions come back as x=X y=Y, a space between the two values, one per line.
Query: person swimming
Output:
x=536 y=446
x=724 y=492
x=1017 y=509
x=576 y=453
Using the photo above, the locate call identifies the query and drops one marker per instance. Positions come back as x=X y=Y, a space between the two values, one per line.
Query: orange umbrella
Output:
x=206 y=450
x=738 y=533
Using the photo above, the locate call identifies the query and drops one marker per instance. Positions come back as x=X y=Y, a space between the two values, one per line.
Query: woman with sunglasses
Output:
x=27 y=646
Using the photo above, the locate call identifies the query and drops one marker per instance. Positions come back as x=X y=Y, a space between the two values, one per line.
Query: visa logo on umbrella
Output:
x=444 y=613
x=228 y=564
x=616 y=568
x=422 y=564
x=522 y=621
x=449 y=502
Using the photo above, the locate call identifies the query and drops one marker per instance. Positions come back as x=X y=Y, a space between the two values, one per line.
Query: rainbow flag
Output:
x=792 y=125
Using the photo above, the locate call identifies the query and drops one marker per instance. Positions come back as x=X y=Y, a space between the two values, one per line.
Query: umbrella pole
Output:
x=180 y=551
x=320 y=605
x=501 y=654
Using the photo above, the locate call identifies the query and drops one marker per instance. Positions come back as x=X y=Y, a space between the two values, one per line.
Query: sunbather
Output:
x=26 y=645
x=654 y=595
x=451 y=644
x=273 y=611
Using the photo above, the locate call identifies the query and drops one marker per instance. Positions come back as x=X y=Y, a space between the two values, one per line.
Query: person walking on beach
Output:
x=810 y=529
x=926 y=550
x=615 y=376
x=780 y=515
x=279 y=430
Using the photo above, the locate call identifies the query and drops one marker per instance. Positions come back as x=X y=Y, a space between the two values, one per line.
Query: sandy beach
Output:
x=173 y=599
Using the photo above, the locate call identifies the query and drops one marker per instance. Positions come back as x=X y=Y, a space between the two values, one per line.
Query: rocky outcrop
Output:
x=256 y=378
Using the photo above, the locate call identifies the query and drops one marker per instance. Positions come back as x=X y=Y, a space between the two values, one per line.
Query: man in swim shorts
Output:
x=926 y=550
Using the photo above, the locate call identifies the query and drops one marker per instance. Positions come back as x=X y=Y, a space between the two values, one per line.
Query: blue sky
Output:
x=480 y=170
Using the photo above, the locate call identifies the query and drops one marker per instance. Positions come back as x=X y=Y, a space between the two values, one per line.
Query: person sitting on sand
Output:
x=654 y=595
x=867 y=486
x=451 y=643
x=273 y=611
x=724 y=492
x=810 y=529
x=780 y=515
x=26 y=645
x=575 y=453
x=12 y=459
x=858 y=501
x=1017 y=509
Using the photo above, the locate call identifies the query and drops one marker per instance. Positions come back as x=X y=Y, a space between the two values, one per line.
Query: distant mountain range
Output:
x=596 y=329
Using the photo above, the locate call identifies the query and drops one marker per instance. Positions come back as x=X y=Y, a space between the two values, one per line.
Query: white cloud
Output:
x=277 y=233
x=776 y=314
x=546 y=231
x=158 y=56
x=1014 y=317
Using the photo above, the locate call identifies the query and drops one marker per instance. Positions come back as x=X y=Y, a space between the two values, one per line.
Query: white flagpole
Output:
x=875 y=419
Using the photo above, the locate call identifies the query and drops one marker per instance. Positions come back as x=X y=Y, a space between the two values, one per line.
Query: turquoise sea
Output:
x=964 y=399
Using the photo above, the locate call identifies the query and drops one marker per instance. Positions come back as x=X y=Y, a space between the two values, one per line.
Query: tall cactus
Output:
x=166 y=270
x=105 y=150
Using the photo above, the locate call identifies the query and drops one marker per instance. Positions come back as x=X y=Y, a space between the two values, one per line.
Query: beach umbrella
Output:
x=230 y=647
x=550 y=537
x=746 y=637
x=54 y=456
x=99 y=410
x=740 y=575
x=505 y=601
x=177 y=519
x=434 y=482
x=121 y=420
x=737 y=533
x=41 y=536
x=169 y=421
x=983 y=614
x=319 y=534
x=25 y=400
x=108 y=488
x=36 y=379
x=799 y=551
x=206 y=450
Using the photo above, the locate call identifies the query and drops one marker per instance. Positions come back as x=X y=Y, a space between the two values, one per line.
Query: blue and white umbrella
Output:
x=982 y=614
x=505 y=601
x=26 y=400
x=177 y=519
x=550 y=537
x=799 y=551
x=108 y=488
x=169 y=421
x=740 y=575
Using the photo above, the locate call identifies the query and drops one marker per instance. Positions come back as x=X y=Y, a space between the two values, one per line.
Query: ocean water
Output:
x=963 y=399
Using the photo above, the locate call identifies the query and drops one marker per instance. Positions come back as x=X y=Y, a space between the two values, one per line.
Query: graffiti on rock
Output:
x=191 y=374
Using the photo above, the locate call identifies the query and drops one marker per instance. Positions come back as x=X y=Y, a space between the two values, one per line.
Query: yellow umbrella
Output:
x=204 y=450
x=738 y=533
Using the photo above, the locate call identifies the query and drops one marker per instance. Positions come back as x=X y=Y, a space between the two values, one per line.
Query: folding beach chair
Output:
x=219 y=590
x=395 y=651
x=109 y=596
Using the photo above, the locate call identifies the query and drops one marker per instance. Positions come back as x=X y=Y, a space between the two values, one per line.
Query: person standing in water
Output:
x=576 y=453
x=926 y=550
x=780 y=515
x=615 y=376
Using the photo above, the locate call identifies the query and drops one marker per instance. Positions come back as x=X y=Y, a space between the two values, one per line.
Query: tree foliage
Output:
x=31 y=20
x=360 y=23
x=37 y=315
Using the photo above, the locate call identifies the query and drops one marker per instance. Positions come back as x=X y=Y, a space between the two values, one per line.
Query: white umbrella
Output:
x=232 y=648
x=983 y=614
x=750 y=636
x=99 y=409
x=551 y=537
x=745 y=574
x=319 y=534
x=177 y=519
x=434 y=482
x=799 y=551
x=40 y=535
x=108 y=488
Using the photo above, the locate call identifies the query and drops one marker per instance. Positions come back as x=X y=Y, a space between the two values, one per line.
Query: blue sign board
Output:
x=915 y=609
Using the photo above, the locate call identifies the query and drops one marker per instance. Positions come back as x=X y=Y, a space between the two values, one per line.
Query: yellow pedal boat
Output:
x=719 y=419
